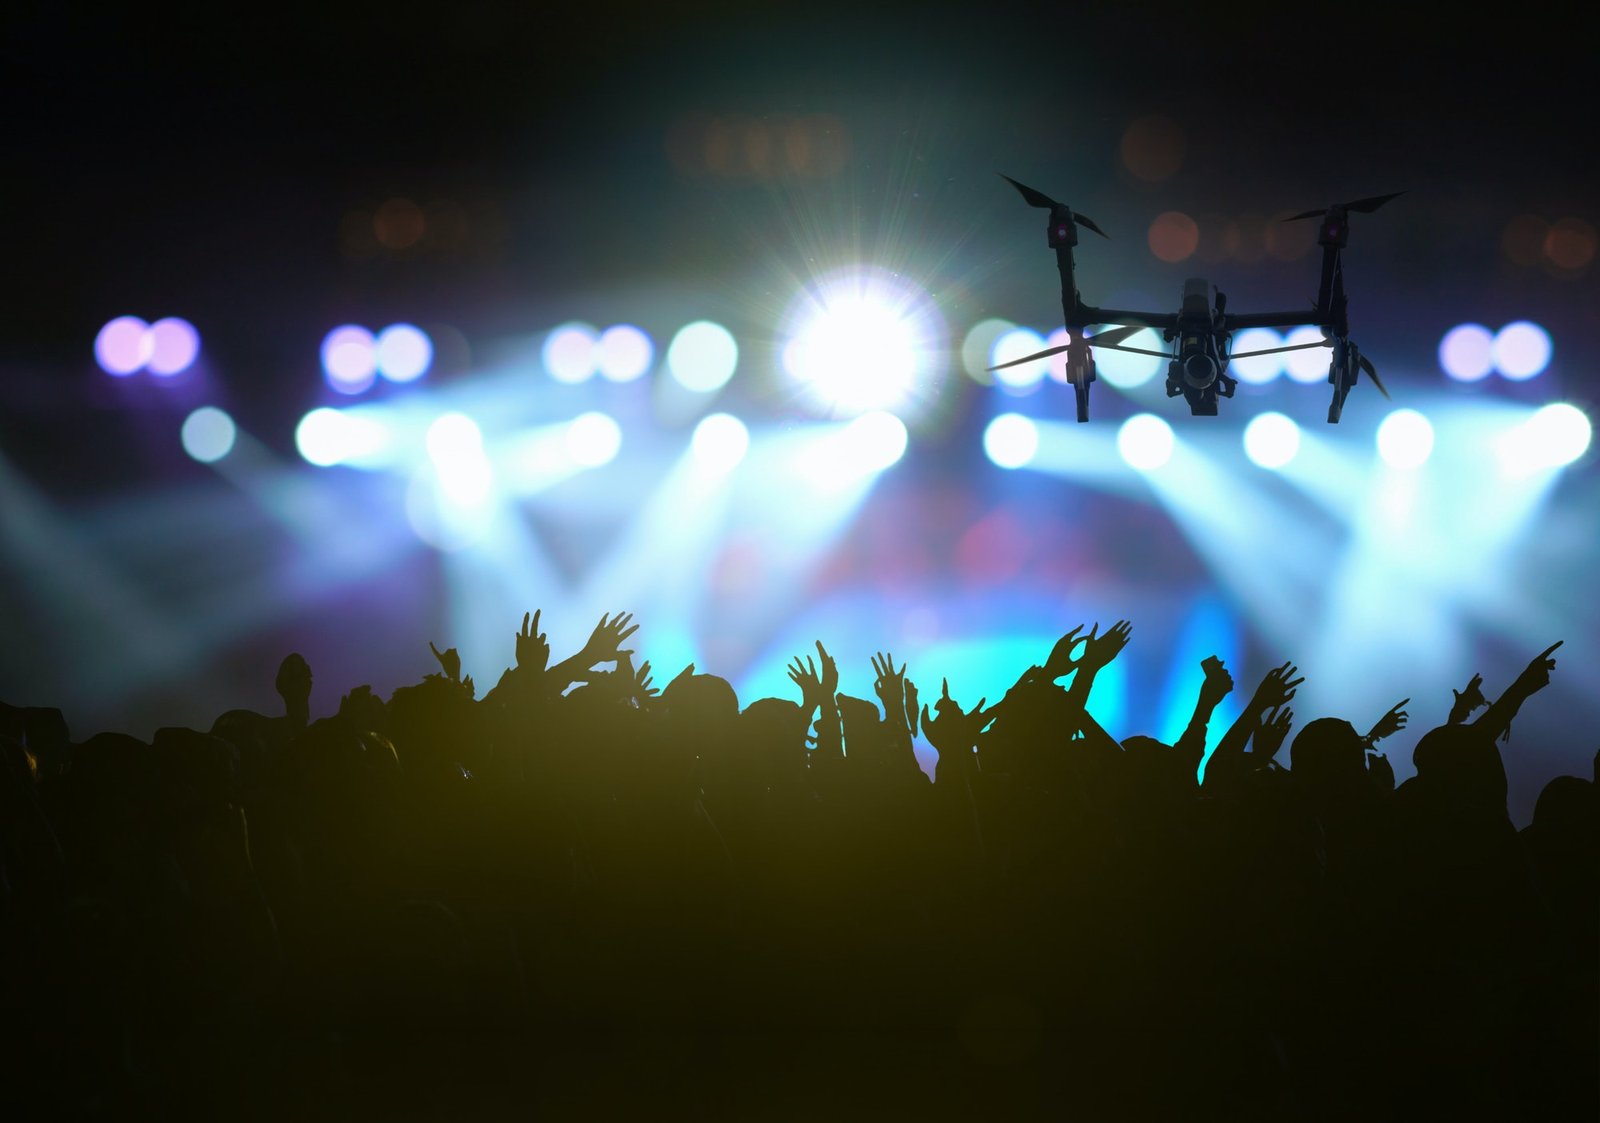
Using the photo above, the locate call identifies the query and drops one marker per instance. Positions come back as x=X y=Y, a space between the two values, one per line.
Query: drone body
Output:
x=1201 y=331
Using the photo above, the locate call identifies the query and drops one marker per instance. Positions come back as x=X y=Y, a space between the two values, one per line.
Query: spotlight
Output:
x=702 y=356
x=1310 y=365
x=864 y=338
x=1011 y=440
x=1126 y=370
x=174 y=345
x=1405 y=439
x=208 y=434
x=593 y=439
x=1145 y=441
x=874 y=441
x=720 y=441
x=1013 y=345
x=123 y=346
x=1555 y=436
x=1521 y=350
x=326 y=437
x=1271 y=440
x=403 y=353
x=569 y=352
x=624 y=353
x=1466 y=353
x=1257 y=369
x=350 y=359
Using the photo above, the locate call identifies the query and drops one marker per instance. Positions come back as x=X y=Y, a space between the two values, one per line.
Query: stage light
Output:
x=1466 y=353
x=624 y=353
x=208 y=434
x=702 y=356
x=1013 y=345
x=570 y=352
x=720 y=441
x=1145 y=441
x=326 y=437
x=593 y=439
x=874 y=441
x=174 y=345
x=1521 y=350
x=1126 y=370
x=350 y=359
x=123 y=346
x=859 y=340
x=978 y=347
x=1011 y=440
x=1405 y=439
x=1271 y=440
x=1555 y=436
x=404 y=353
x=1257 y=369
x=1310 y=365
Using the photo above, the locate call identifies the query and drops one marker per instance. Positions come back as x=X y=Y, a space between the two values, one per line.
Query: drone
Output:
x=1201 y=331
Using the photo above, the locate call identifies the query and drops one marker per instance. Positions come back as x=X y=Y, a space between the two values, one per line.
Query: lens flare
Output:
x=720 y=442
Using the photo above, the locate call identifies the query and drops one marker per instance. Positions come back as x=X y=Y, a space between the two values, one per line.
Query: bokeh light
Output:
x=350 y=359
x=461 y=469
x=174 y=346
x=1258 y=369
x=977 y=349
x=1405 y=439
x=327 y=436
x=1126 y=370
x=1521 y=350
x=570 y=352
x=1013 y=345
x=1466 y=353
x=625 y=353
x=404 y=353
x=1173 y=236
x=123 y=346
x=1555 y=436
x=720 y=441
x=1011 y=440
x=1145 y=441
x=1309 y=365
x=593 y=439
x=1271 y=440
x=1569 y=244
x=702 y=356
x=874 y=441
x=208 y=434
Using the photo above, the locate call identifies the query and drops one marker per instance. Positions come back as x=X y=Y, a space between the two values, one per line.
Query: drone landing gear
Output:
x=1080 y=372
x=1343 y=370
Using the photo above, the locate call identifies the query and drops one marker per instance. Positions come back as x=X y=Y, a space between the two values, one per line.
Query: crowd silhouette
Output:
x=582 y=891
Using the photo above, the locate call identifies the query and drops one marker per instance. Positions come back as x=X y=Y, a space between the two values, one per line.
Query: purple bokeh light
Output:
x=350 y=359
x=174 y=345
x=123 y=346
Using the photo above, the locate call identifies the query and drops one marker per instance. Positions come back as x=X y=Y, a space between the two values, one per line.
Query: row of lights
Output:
x=1518 y=351
x=127 y=345
x=1554 y=436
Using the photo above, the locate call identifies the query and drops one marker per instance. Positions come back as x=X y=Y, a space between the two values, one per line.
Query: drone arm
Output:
x=1164 y=321
x=1235 y=321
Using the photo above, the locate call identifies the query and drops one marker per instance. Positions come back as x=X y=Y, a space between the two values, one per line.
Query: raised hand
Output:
x=911 y=707
x=605 y=643
x=1389 y=724
x=1536 y=675
x=889 y=685
x=533 y=646
x=1098 y=651
x=1270 y=734
x=805 y=676
x=1218 y=682
x=950 y=729
x=1060 y=663
x=1466 y=700
x=830 y=673
x=449 y=660
x=1277 y=688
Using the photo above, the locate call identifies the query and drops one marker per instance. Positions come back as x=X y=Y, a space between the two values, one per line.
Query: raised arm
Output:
x=1276 y=689
x=1496 y=720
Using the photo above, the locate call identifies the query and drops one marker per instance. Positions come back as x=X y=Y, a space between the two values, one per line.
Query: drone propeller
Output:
x=1040 y=199
x=1372 y=373
x=1114 y=337
x=1360 y=206
x=1275 y=350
